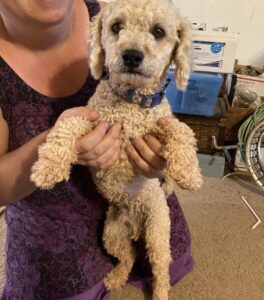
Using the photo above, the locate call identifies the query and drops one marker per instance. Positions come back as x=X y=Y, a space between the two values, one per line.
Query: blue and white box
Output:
x=214 y=51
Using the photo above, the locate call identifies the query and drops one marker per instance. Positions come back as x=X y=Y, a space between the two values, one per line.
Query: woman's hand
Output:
x=144 y=153
x=99 y=148
x=81 y=111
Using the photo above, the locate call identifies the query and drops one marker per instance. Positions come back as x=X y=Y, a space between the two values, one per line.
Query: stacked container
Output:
x=213 y=56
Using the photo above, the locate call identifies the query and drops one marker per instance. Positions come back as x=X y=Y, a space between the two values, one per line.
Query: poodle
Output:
x=137 y=41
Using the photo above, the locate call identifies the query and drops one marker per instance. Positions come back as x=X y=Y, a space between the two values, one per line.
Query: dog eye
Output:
x=117 y=27
x=158 y=32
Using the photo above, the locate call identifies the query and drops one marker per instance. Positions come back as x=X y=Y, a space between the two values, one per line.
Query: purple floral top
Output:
x=53 y=247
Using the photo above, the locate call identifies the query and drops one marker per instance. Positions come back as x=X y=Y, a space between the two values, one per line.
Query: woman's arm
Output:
x=4 y=132
x=100 y=148
x=15 y=169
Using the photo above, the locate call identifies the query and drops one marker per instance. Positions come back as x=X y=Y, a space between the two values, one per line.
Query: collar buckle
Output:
x=147 y=101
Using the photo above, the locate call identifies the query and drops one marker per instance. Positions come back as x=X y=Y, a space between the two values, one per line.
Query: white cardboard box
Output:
x=214 y=51
x=255 y=84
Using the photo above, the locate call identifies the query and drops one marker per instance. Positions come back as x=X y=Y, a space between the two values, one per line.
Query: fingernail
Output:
x=77 y=148
x=94 y=114
x=129 y=148
x=135 y=141
x=119 y=126
x=118 y=141
x=146 y=136
x=162 y=122
x=106 y=125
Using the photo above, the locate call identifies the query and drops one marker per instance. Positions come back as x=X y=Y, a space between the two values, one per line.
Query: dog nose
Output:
x=132 y=58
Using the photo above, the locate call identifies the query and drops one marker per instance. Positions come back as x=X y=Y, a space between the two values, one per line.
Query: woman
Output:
x=53 y=247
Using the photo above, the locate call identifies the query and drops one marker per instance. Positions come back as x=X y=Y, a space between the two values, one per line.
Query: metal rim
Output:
x=255 y=165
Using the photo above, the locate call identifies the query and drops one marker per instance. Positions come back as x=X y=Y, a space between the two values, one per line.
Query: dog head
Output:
x=138 y=40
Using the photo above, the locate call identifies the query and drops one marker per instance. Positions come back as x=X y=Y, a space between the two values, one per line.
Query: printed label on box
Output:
x=255 y=84
x=208 y=54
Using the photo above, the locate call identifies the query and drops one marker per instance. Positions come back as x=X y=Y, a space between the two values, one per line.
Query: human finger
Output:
x=81 y=111
x=91 y=139
x=107 y=158
x=104 y=144
x=149 y=150
x=144 y=167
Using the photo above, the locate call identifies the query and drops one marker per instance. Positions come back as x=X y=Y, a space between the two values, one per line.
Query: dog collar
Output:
x=146 y=101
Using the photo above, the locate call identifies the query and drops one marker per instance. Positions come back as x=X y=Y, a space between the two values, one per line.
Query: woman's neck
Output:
x=38 y=37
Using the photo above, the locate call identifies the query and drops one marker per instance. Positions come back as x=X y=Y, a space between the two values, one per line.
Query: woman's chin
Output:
x=50 y=12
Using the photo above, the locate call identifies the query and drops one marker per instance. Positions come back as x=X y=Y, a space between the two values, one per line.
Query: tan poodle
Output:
x=137 y=41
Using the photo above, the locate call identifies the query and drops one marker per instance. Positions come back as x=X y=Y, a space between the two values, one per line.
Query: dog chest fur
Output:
x=113 y=108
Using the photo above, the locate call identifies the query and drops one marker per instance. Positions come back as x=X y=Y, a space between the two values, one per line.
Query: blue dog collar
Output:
x=147 y=101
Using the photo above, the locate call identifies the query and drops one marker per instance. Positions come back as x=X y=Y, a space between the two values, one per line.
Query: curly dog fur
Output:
x=137 y=205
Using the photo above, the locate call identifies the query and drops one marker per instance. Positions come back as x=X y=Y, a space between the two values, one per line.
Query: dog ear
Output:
x=96 y=51
x=182 y=55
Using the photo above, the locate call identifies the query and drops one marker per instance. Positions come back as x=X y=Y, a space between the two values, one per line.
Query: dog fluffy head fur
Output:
x=153 y=27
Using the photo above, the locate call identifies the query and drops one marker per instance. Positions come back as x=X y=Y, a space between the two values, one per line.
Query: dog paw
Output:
x=45 y=175
x=185 y=178
x=161 y=292
x=115 y=279
x=191 y=183
x=162 y=296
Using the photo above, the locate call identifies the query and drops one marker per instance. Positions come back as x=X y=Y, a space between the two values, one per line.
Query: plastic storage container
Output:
x=200 y=98
x=211 y=165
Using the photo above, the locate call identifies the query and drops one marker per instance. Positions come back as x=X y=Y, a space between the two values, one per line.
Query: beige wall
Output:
x=243 y=16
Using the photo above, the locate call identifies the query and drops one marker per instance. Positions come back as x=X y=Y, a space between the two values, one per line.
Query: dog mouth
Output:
x=134 y=72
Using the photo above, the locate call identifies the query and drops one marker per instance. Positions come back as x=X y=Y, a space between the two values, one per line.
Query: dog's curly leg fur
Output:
x=180 y=152
x=157 y=237
x=118 y=243
x=58 y=153
x=146 y=217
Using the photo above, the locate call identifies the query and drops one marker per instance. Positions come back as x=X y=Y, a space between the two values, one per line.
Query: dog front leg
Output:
x=180 y=152
x=58 y=153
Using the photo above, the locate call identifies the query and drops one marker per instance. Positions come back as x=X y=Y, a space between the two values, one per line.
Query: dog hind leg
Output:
x=118 y=243
x=157 y=236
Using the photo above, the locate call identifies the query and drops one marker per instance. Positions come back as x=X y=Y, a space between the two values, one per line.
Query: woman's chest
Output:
x=57 y=70
x=53 y=75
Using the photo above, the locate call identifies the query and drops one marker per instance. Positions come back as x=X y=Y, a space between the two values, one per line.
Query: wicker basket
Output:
x=206 y=127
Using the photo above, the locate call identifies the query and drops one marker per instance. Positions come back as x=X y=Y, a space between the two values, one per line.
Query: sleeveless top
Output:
x=53 y=247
